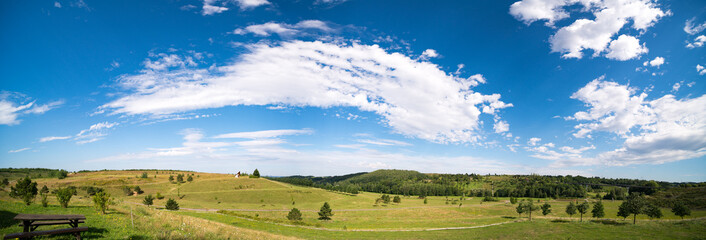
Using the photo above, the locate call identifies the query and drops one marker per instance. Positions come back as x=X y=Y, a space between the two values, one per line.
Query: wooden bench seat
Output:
x=76 y=231
x=42 y=223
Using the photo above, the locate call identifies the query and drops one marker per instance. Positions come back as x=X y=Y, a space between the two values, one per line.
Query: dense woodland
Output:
x=413 y=183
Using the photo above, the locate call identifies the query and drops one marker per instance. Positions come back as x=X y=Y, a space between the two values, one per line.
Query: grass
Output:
x=257 y=208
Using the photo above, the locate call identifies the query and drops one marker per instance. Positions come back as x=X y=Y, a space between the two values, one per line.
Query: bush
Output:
x=24 y=189
x=255 y=174
x=139 y=190
x=159 y=196
x=144 y=175
x=180 y=178
x=63 y=174
x=63 y=195
x=171 y=205
x=45 y=202
x=102 y=201
x=190 y=178
x=294 y=215
x=397 y=199
x=149 y=200
x=127 y=190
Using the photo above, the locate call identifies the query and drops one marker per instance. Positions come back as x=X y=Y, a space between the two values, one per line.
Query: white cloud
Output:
x=429 y=53
x=414 y=98
x=625 y=48
x=211 y=7
x=19 y=150
x=698 y=42
x=654 y=132
x=10 y=111
x=57 y=4
x=384 y=142
x=94 y=133
x=283 y=29
x=692 y=29
x=610 y=16
x=700 y=69
x=533 y=141
x=658 y=61
x=501 y=126
x=266 y=133
x=52 y=138
x=676 y=87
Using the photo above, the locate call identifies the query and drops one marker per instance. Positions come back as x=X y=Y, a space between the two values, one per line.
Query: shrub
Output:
x=44 y=190
x=190 y=178
x=255 y=174
x=45 y=202
x=102 y=201
x=144 y=175
x=63 y=195
x=397 y=199
x=127 y=190
x=294 y=215
x=149 y=200
x=159 y=196
x=171 y=205
x=139 y=190
x=24 y=189
x=325 y=212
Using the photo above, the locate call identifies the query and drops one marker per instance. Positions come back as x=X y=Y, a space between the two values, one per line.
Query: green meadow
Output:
x=220 y=206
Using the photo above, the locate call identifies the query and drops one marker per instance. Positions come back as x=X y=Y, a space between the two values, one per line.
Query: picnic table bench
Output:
x=30 y=222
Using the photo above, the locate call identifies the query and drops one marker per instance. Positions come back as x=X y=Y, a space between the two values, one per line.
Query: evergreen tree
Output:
x=149 y=200
x=571 y=209
x=623 y=212
x=139 y=190
x=529 y=208
x=546 y=209
x=425 y=200
x=180 y=178
x=325 y=212
x=583 y=209
x=171 y=178
x=24 y=189
x=653 y=211
x=294 y=215
x=190 y=178
x=171 y=205
x=598 y=211
x=513 y=200
x=681 y=210
x=255 y=174
x=5 y=182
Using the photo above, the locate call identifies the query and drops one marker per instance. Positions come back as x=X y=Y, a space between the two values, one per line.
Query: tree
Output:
x=385 y=198
x=63 y=195
x=325 y=212
x=397 y=199
x=44 y=190
x=546 y=209
x=102 y=200
x=425 y=200
x=513 y=200
x=45 y=201
x=529 y=208
x=180 y=178
x=190 y=178
x=255 y=174
x=159 y=196
x=63 y=174
x=149 y=200
x=144 y=175
x=5 y=182
x=583 y=209
x=520 y=208
x=681 y=210
x=623 y=212
x=653 y=211
x=571 y=209
x=171 y=178
x=597 y=211
x=24 y=189
x=634 y=205
x=139 y=190
x=294 y=215
x=171 y=205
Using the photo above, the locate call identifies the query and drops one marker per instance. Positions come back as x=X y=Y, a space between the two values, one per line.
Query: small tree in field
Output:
x=159 y=196
x=546 y=209
x=171 y=205
x=529 y=208
x=597 y=211
x=24 y=189
x=325 y=212
x=520 y=208
x=180 y=178
x=5 y=182
x=255 y=174
x=139 y=190
x=681 y=210
x=190 y=178
x=294 y=215
x=583 y=209
x=623 y=212
x=653 y=211
x=63 y=195
x=171 y=178
x=44 y=190
x=144 y=175
x=571 y=209
x=102 y=201
x=635 y=204
x=397 y=199
x=149 y=200
x=425 y=200
x=513 y=200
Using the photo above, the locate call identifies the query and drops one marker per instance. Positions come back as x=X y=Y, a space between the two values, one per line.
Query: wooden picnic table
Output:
x=30 y=222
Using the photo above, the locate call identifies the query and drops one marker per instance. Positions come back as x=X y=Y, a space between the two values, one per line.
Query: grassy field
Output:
x=257 y=209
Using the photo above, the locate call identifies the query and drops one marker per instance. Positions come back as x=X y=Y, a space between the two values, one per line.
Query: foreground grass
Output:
x=537 y=229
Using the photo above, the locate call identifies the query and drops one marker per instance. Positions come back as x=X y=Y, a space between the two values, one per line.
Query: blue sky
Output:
x=611 y=88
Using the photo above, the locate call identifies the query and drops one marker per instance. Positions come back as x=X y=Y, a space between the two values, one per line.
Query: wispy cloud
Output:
x=11 y=111
x=19 y=150
x=265 y=134
x=93 y=133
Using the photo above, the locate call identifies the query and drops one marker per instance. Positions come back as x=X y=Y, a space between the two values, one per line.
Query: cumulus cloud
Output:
x=211 y=7
x=654 y=131
x=610 y=16
x=501 y=126
x=698 y=42
x=10 y=111
x=283 y=29
x=533 y=141
x=691 y=28
x=414 y=98
x=429 y=53
x=658 y=61
x=700 y=69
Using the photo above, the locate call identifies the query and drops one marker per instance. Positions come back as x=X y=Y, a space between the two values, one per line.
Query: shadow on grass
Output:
x=560 y=221
x=94 y=233
x=609 y=222
x=508 y=217
x=6 y=219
